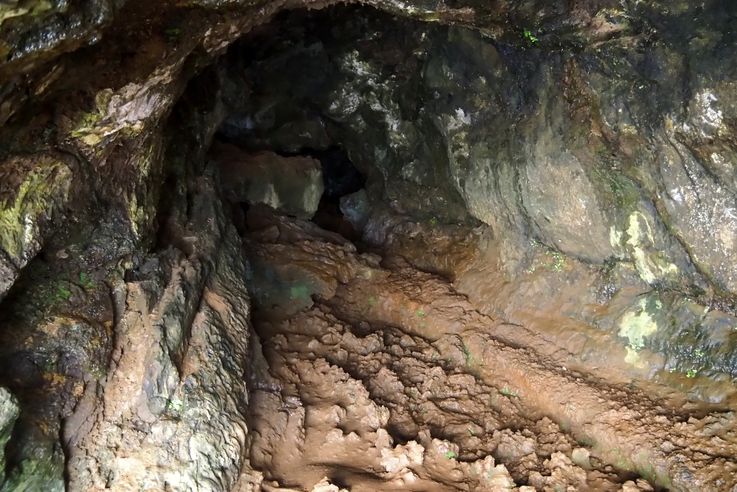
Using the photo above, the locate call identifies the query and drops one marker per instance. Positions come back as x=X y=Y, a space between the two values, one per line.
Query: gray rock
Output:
x=610 y=135
x=703 y=212
x=8 y=274
x=293 y=185
x=562 y=204
x=173 y=412
x=602 y=162
x=33 y=191
x=8 y=414
x=356 y=208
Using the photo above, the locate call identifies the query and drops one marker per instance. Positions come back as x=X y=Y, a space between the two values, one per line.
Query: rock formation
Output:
x=521 y=270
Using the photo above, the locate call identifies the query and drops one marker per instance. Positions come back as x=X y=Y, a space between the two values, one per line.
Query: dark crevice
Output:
x=353 y=152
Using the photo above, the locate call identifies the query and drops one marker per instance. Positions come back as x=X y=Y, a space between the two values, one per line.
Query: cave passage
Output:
x=343 y=195
x=407 y=245
x=412 y=370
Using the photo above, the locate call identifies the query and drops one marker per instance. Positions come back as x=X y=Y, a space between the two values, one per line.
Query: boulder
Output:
x=291 y=184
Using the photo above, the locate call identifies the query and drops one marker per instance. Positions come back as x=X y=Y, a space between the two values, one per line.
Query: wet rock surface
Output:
x=8 y=415
x=34 y=192
x=452 y=127
x=543 y=291
x=291 y=184
x=387 y=378
x=166 y=384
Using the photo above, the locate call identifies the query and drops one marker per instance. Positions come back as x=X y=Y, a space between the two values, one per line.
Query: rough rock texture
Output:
x=543 y=139
x=124 y=293
x=8 y=414
x=452 y=126
x=291 y=184
x=591 y=141
x=34 y=191
x=363 y=353
x=170 y=414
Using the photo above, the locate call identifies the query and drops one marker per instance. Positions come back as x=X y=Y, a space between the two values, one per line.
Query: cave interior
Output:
x=393 y=246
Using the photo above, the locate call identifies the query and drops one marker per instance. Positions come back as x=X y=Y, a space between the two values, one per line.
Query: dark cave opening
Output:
x=386 y=115
x=368 y=251
x=343 y=190
x=340 y=179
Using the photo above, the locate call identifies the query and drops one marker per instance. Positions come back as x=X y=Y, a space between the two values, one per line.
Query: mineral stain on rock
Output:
x=391 y=245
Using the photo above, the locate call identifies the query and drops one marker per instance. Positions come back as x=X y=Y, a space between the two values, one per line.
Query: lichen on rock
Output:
x=636 y=325
x=33 y=193
x=546 y=209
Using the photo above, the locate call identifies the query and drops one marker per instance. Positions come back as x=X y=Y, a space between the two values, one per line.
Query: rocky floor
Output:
x=378 y=376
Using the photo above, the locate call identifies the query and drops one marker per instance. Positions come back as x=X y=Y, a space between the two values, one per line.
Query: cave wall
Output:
x=616 y=149
x=596 y=130
x=453 y=127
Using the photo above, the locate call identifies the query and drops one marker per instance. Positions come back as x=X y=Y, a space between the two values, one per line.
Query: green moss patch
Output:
x=46 y=185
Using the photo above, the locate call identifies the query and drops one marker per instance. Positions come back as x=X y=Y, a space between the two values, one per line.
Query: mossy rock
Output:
x=33 y=188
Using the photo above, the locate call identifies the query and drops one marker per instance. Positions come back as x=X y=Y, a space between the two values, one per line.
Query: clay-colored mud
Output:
x=377 y=376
